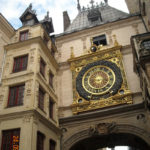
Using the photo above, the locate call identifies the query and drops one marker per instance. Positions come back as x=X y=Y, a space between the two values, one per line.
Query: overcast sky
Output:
x=13 y=9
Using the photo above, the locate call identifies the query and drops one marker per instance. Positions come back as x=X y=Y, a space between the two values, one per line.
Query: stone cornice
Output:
x=32 y=113
x=103 y=113
x=6 y=27
x=31 y=41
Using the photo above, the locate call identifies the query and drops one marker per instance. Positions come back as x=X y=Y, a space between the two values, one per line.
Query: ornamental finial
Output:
x=30 y=6
x=92 y=3
x=48 y=14
x=72 y=52
x=106 y=1
x=78 y=6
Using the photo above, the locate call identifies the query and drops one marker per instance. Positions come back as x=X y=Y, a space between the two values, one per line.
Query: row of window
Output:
x=11 y=139
x=42 y=71
x=20 y=64
x=40 y=142
x=16 y=95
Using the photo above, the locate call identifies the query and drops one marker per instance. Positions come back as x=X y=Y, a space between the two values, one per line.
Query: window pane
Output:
x=51 y=109
x=23 y=36
x=42 y=67
x=40 y=141
x=51 y=77
x=100 y=40
x=52 y=145
x=20 y=63
x=16 y=95
x=41 y=99
x=10 y=139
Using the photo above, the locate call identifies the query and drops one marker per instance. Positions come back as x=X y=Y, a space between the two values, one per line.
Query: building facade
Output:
x=101 y=101
x=89 y=93
x=28 y=109
x=6 y=32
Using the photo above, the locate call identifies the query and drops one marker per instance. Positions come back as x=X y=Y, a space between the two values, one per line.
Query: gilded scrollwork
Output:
x=121 y=96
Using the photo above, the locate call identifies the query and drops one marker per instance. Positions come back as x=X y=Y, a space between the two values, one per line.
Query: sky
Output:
x=13 y=9
x=119 y=148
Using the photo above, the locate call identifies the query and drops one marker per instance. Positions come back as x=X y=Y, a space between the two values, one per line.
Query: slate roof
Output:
x=108 y=14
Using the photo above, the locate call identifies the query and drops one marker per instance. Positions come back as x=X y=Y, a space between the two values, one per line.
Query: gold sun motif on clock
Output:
x=98 y=80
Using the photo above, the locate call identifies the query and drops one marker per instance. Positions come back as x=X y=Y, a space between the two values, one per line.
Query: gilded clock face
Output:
x=98 y=80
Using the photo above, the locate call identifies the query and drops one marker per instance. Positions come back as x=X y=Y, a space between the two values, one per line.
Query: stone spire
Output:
x=92 y=3
x=106 y=1
x=78 y=6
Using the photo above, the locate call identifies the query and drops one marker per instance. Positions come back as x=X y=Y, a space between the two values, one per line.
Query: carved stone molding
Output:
x=27 y=118
x=105 y=129
x=28 y=88
x=102 y=128
x=32 y=54
x=35 y=119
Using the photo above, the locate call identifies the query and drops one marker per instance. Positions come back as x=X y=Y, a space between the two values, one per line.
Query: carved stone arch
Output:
x=118 y=128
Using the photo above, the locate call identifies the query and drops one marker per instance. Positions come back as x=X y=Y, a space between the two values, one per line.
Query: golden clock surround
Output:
x=123 y=96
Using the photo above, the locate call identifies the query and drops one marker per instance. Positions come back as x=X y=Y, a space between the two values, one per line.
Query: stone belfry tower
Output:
x=100 y=99
x=28 y=110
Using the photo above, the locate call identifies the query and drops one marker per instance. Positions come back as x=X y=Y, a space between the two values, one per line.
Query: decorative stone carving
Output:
x=69 y=141
x=28 y=88
x=115 y=40
x=32 y=56
x=39 y=58
x=141 y=117
x=72 y=52
x=27 y=118
x=35 y=119
x=102 y=128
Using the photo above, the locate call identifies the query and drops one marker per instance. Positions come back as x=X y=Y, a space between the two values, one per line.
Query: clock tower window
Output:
x=100 y=40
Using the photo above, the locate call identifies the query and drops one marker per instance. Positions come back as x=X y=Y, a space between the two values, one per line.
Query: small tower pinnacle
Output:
x=92 y=3
x=106 y=1
x=78 y=6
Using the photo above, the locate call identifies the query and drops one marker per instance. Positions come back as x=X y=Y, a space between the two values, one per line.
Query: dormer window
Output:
x=94 y=15
x=24 y=35
x=100 y=40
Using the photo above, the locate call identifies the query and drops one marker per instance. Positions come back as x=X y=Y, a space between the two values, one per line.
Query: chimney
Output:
x=66 y=20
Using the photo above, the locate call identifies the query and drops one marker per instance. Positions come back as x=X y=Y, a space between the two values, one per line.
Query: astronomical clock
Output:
x=99 y=80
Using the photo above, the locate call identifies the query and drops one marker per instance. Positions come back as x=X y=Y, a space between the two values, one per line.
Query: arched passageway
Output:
x=111 y=140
